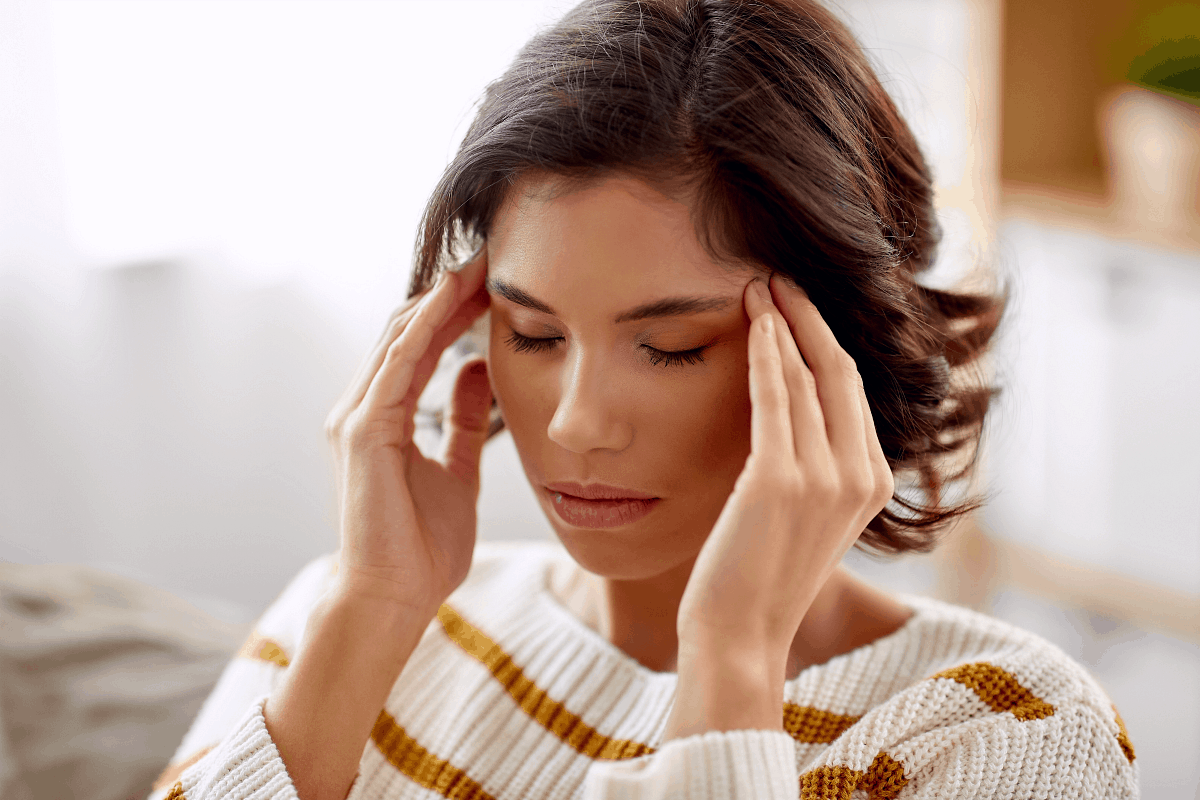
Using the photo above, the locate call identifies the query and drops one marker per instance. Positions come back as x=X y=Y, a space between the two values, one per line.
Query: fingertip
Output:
x=757 y=297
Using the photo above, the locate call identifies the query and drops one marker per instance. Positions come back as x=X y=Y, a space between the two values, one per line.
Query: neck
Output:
x=638 y=617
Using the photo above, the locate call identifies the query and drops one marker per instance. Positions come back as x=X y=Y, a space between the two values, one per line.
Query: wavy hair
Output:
x=793 y=158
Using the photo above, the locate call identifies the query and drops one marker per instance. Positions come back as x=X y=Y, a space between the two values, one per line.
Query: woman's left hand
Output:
x=815 y=477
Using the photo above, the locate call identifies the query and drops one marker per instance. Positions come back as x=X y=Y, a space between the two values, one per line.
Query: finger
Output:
x=391 y=383
x=470 y=301
x=808 y=422
x=837 y=379
x=467 y=423
x=460 y=320
x=370 y=365
x=471 y=275
x=885 y=484
x=770 y=418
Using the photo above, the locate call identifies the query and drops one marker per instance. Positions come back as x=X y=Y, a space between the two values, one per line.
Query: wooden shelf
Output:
x=1093 y=213
x=973 y=565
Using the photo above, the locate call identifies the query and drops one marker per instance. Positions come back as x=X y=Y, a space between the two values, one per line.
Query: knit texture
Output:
x=508 y=696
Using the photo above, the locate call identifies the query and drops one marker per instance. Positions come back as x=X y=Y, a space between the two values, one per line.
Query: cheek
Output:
x=708 y=425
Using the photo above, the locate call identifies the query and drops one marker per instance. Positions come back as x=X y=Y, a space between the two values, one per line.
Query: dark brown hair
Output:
x=793 y=157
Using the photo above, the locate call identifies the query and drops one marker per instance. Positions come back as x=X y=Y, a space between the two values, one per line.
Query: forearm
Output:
x=321 y=715
x=726 y=687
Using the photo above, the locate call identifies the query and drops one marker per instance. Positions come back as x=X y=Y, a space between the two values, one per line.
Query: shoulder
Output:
x=998 y=669
x=975 y=650
x=981 y=708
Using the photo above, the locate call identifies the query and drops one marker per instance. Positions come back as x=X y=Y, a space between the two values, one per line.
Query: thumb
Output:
x=467 y=423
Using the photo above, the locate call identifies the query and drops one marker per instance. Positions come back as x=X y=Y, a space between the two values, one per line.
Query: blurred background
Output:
x=207 y=212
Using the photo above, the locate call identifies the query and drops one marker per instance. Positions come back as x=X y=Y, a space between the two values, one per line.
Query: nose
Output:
x=588 y=414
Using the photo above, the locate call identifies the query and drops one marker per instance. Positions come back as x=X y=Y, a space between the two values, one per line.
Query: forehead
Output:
x=619 y=240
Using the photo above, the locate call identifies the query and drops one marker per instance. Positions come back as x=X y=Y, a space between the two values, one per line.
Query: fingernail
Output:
x=759 y=287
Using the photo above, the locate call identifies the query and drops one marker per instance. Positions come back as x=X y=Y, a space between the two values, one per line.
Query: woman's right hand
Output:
x=407 y=521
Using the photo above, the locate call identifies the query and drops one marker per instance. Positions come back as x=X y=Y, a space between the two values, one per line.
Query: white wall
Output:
x=208 y=212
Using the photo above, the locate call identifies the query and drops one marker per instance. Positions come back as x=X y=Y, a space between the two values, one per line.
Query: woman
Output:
x=697 y=227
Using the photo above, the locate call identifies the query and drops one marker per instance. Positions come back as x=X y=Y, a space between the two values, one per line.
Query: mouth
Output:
x=598 y=505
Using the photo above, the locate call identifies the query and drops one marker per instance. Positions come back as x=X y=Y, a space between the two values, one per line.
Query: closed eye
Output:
x=668 y=358
x=529 y=344
x=664 y=358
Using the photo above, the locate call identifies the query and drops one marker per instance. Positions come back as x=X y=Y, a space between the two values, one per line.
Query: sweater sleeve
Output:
x=245 y=764
x=732 y=765
x=227 y=752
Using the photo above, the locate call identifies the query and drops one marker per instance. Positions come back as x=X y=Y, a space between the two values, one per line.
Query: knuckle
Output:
x=399 y=316
x=396 y=349
x=885 y=486
x=333 y=426
x=847 y=364
x=402 y=316
x=356 y=439
x=862 y=487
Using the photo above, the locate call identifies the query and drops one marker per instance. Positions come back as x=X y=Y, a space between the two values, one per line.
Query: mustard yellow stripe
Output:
x=260 y=648
x=810 y=725
x=833 y=782
x=883 y=780
x=999 y=689
x=805 y=724
x=405 y=754
x=1123 y=737
x=176 y=792
x=548 y=712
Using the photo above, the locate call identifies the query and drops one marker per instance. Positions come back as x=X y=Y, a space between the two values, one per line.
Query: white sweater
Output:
x=508 y=696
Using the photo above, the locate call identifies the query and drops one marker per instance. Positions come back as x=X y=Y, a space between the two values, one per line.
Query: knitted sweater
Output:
x=508 y=695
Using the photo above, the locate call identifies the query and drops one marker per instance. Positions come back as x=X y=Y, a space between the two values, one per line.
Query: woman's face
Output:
x=617 y=356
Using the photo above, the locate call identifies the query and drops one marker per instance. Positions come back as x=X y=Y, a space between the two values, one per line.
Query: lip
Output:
x=598 y=491
x=610 y=506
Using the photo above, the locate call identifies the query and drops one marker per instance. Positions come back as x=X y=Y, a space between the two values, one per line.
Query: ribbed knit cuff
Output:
x=731 y=765
x=246 y=765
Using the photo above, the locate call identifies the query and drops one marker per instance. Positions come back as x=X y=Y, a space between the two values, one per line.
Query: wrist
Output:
x=724 y=688
x=321 y=714
x=377 y=595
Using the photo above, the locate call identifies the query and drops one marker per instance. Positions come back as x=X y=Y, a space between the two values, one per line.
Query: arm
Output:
x=725 y=738
x=313 y=711
x=320 y=718
x=408 y=534
x=407 y=538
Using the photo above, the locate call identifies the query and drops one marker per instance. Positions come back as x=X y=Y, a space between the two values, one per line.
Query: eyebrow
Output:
x=668 y=307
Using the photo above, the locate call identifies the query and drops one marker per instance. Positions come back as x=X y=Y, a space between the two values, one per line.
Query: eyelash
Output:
x=529 y=344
